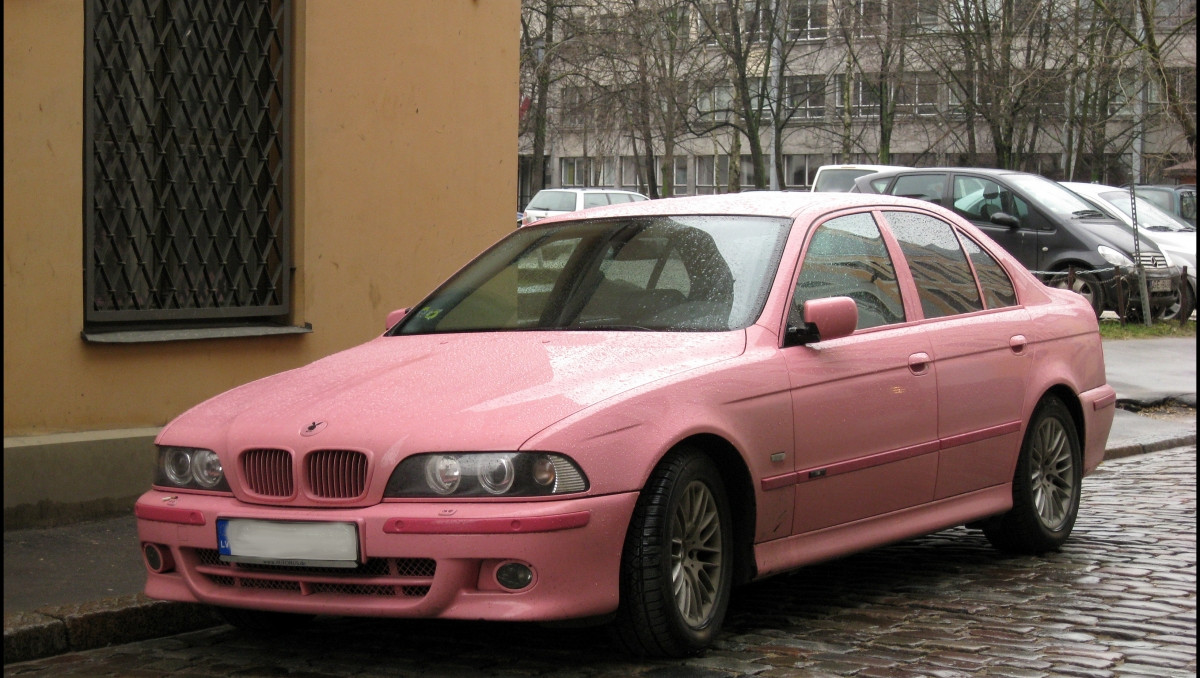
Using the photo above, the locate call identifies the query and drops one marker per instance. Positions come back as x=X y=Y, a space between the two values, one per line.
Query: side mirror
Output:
x=395 y=317
x=1005 y=219
x=825 y=319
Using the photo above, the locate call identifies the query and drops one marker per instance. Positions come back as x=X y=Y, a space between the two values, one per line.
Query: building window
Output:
x=712 y=174
x=806 y=96
x=680 y=179
x=808 y=20
x=868 y=17
x=799 y=170
x=918 y=94
x=186 y=163
x=864 y=97
x=716 y=103
x=633 y=174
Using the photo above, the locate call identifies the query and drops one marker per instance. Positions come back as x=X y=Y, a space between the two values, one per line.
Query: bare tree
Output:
x=1156 y=28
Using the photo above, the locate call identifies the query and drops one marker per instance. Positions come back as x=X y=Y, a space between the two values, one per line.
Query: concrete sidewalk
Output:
x=79 y=586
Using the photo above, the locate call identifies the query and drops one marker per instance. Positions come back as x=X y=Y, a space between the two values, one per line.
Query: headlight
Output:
x=190 y=468
x=486 y=474
x=1113 y=256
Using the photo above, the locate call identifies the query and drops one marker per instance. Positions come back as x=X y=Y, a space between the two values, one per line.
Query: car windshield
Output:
x=682 y=273
x=1149 y=215
x=1052 y=196
x=557 y=201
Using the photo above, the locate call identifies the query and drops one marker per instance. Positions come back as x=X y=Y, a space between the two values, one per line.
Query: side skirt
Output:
x=832 y=542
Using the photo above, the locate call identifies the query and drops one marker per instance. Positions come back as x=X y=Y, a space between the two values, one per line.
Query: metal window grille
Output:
x=186 y=161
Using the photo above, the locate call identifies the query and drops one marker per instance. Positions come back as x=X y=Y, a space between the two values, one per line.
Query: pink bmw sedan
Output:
x=620 y=414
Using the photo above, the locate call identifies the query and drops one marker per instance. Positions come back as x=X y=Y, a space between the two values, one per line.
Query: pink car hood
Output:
x=488 y=391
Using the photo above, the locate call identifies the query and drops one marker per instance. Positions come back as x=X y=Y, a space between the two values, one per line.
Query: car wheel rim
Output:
x=1081 y=287
x=1052 y=463
x=696 y=554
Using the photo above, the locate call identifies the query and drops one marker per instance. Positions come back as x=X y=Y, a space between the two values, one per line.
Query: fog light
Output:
x=514 y=576
x=158 y=558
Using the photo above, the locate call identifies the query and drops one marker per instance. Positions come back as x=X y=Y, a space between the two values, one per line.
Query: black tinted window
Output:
x=939 y=267
x=847 y=258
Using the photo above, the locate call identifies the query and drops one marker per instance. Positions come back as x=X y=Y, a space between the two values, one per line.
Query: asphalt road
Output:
x=1118 y=600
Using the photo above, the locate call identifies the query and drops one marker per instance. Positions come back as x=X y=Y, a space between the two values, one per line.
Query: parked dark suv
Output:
x=1046 y=227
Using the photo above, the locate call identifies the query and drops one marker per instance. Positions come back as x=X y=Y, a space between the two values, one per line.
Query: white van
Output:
x=841 y=177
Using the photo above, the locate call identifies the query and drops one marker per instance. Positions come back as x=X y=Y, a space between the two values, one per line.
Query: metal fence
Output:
x=186 y=161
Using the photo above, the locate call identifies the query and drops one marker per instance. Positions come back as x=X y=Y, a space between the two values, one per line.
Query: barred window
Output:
x=186 y=163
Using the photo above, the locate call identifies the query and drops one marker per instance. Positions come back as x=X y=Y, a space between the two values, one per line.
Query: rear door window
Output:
x=939 y=267
x=594 y=199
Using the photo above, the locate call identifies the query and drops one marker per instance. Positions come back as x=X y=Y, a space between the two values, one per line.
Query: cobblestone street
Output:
x=1119 y=600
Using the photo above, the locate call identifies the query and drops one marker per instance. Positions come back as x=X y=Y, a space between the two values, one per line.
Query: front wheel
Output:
x=1046 y=485
x=1183 y=302
x=677 y=563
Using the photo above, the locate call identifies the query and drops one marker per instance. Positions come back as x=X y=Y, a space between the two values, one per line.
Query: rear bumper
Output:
x=416 y=559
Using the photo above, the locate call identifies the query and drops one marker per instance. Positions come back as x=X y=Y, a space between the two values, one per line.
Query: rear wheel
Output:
x=1087 y=285
x=1046 y=485
x=677 y=563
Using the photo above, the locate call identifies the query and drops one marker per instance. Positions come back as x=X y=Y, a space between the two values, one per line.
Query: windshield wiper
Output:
x=613 y=328
x=1080 y=214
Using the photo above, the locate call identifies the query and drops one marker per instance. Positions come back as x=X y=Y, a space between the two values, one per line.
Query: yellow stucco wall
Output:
x=405 y=133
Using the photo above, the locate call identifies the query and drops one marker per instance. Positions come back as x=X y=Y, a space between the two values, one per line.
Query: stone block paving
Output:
x=1118 y=600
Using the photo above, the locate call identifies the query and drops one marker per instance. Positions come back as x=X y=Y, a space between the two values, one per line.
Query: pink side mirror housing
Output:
x=833 y=317
x=395 y=317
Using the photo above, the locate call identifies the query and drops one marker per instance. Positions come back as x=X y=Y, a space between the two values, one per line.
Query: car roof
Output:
x=974 y=170
x=589 y=190
x=856 y=166
x=789 y=204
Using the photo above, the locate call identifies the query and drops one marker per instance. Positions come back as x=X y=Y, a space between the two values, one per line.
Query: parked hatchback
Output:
x=554 y=201
x=1049 y=229
x=617 y=415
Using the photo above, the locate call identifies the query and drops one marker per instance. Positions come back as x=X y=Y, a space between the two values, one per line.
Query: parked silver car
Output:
x=1175 y=237
x=551 y=202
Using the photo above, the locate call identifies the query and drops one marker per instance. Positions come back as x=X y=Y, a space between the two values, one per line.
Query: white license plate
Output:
x=298 y=544
x=1160 y=285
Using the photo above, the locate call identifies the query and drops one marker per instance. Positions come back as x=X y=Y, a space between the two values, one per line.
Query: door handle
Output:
x=1017 y=344
x=918 y=363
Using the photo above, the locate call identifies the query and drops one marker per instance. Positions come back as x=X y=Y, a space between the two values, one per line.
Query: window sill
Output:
x=157 y=336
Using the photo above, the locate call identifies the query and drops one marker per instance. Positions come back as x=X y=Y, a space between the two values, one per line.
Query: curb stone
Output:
x=55 y=630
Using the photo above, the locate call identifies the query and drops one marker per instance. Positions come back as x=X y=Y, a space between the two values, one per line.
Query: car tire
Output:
x=1181 y=307
x=1086 y=285
x=1046 y=485
x=677 y=562
x=263 y=621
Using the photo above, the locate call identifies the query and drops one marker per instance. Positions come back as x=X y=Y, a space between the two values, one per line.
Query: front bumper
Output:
x=424 y=559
